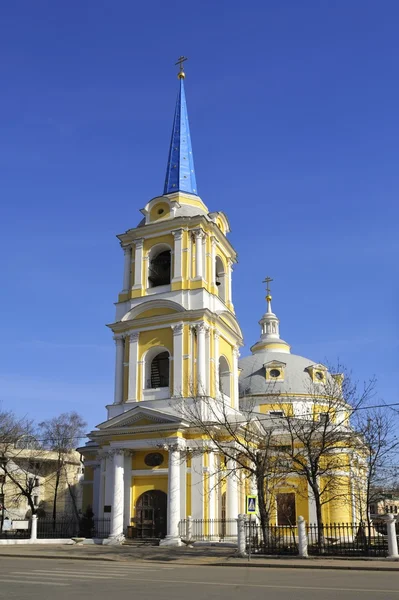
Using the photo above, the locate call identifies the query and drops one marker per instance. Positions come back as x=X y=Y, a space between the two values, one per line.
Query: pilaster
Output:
x=178 y=359
x=138 y=264
x=118 y=390
x=133 y=365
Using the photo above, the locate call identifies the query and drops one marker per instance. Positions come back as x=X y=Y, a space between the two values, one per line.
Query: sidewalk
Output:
x=194 y=557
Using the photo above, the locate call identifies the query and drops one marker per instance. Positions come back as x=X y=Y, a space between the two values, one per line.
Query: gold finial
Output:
x=181 y=74
x=267 y=280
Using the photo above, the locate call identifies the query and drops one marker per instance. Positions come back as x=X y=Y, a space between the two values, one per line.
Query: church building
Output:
x=177 y=336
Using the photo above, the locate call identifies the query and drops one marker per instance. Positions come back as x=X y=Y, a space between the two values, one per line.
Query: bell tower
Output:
x=175 y=329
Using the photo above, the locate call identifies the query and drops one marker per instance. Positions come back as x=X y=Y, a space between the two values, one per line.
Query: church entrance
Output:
x=151 y=513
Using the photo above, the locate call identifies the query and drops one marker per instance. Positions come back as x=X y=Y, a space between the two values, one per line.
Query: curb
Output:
x=67 y=557
x=304 y=566
x=250 y=564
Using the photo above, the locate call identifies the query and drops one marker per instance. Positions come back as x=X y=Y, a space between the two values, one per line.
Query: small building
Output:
x=384 y=503
x=35 y=469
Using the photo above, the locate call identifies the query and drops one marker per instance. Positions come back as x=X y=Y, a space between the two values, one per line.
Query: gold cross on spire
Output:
x=267 y=280
x=181 y=74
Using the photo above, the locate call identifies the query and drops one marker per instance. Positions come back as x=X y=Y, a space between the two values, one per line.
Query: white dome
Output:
x=297 y=378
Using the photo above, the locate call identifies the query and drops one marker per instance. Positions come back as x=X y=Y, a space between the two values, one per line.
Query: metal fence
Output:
x=208 y=530
x=275 y=539
x=347 y=539
x=69 y=528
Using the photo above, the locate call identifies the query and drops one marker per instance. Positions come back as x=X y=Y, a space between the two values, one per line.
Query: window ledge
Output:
x=156 y=393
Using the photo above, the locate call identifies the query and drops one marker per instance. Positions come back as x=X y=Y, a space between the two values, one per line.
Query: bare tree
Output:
x=244 y=440
x=376 y=466
x=317 y=437
x=61 y=434
x=20 y=458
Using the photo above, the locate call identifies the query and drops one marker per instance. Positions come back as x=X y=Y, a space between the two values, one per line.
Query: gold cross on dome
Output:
x=180 y=62
x=267 y=280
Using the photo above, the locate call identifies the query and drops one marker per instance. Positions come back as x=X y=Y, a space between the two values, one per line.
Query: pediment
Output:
x=140 y=417
x=275 y=363
x=160 y=305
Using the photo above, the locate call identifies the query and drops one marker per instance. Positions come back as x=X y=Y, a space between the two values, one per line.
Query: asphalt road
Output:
x=30 y=579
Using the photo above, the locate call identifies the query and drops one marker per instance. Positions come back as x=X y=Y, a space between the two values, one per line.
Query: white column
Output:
x=216 y=363
x=236 y=391
x=207 y=360
x=197 y=486
x=178 y=255
x=213 y=261
x=172 y=537
x=96 y=490
x=231 y=496
x=302 y=538
x=229 y=295
x=138 y=264
x=117 y=496
x=108 y=483
x=33 y=530
x=118 y=394
x=127 y=482
x=126 y=269
x=391 y=535
x=212 y=487
x=101 y=493
x=201 y=383
x=241 y=538
x=133 y=365
x=178 y=359
x=199 y=266
x=183 y=487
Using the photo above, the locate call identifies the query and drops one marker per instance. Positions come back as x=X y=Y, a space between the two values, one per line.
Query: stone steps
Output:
x=141 y=542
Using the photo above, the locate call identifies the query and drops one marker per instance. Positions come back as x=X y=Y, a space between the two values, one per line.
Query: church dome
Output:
x=272 y=372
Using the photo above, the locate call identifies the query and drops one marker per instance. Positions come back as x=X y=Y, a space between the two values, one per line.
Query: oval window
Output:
x=275 y=373
x=154 y=459
x=319 y=375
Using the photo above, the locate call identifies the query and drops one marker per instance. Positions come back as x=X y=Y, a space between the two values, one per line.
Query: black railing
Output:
x=208 y=530
x=70 y=528
x=57 y=528
x=347 y=539
x=275 y=539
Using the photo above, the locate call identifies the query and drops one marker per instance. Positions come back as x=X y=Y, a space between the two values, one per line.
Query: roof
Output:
x=180 y=174
x=296 y=379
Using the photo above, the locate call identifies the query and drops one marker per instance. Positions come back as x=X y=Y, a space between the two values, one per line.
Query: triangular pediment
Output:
x=275 y=363
x=140 y=417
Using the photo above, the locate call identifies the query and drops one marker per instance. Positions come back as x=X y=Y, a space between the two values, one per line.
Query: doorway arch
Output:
x=151 y=514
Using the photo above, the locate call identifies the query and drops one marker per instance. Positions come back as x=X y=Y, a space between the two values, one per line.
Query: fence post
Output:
x=241 y=535
x=33 y=530
x=302 y=538
x=392 y=539
x=189 y=526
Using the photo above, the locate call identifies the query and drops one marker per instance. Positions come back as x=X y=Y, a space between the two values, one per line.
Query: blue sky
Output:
x=293 y=109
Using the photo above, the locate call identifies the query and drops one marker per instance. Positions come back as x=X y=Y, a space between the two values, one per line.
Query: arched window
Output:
x=159 y=268
x=220 y=278
x=157 y=369
x=224 y=376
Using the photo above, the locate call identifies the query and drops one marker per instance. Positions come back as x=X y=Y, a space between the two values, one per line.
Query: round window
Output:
x=319 y=375
x=161 y=211
x=154 y=459
x=275 y=373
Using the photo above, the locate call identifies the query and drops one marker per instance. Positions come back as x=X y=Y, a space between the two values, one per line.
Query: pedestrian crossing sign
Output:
x=251 y=505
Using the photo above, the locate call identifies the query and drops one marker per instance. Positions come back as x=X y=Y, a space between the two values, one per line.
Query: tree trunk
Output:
x=263 y=512
x=320 y=530
x=57 y=483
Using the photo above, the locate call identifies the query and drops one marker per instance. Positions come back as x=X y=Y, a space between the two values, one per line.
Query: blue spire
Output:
x=180 y=174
